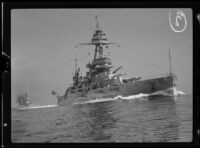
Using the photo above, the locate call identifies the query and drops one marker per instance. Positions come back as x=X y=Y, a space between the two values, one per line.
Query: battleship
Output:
x=101 y=81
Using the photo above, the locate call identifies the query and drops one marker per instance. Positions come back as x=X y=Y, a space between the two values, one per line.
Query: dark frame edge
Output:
x=6 y=81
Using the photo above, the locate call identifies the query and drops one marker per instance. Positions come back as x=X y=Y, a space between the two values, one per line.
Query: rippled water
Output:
x=142 y=119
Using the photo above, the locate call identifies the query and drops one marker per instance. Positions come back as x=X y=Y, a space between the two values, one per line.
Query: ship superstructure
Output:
x=99 y=74
x=100 y=82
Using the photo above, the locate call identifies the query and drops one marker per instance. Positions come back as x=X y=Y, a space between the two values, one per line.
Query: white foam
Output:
x=141 y=95
x=98 y=100
x=178 y=92
x=167 y=92
x=39 y=106
x=114 y=99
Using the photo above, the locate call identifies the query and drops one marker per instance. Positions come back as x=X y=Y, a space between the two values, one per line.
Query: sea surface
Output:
x=141 y=118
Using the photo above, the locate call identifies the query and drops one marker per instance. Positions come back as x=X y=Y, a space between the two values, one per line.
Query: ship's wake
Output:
x=167 y=92
x=38 y=106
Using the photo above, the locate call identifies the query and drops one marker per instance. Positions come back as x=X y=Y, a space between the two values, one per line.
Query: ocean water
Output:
x=135 y=119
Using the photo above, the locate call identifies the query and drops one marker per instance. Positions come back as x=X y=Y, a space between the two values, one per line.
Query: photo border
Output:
x=6 y=76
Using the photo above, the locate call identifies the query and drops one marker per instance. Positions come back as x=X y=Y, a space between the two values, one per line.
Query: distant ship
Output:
x=100 y=82
x=23 y=101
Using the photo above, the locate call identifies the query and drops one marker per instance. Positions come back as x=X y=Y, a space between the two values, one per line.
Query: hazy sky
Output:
x=43 y=44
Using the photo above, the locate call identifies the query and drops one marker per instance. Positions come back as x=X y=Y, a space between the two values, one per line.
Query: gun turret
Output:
x=119 y=75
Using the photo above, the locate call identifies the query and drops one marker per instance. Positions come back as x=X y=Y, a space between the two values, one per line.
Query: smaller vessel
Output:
x=23 y=100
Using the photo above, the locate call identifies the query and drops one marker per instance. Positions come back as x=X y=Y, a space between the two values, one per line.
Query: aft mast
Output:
x=170 y=67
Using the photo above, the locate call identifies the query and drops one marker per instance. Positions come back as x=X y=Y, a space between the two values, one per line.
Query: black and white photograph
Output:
x=102 y=75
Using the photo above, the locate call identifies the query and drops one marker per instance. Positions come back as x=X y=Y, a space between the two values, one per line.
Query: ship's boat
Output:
x=101 y=82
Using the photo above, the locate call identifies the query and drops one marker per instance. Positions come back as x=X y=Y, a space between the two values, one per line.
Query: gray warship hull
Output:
x=147 y=86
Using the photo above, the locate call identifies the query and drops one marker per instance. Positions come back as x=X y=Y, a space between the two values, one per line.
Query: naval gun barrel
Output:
x=118 y=75
x=134 y=79
x=117 y=69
